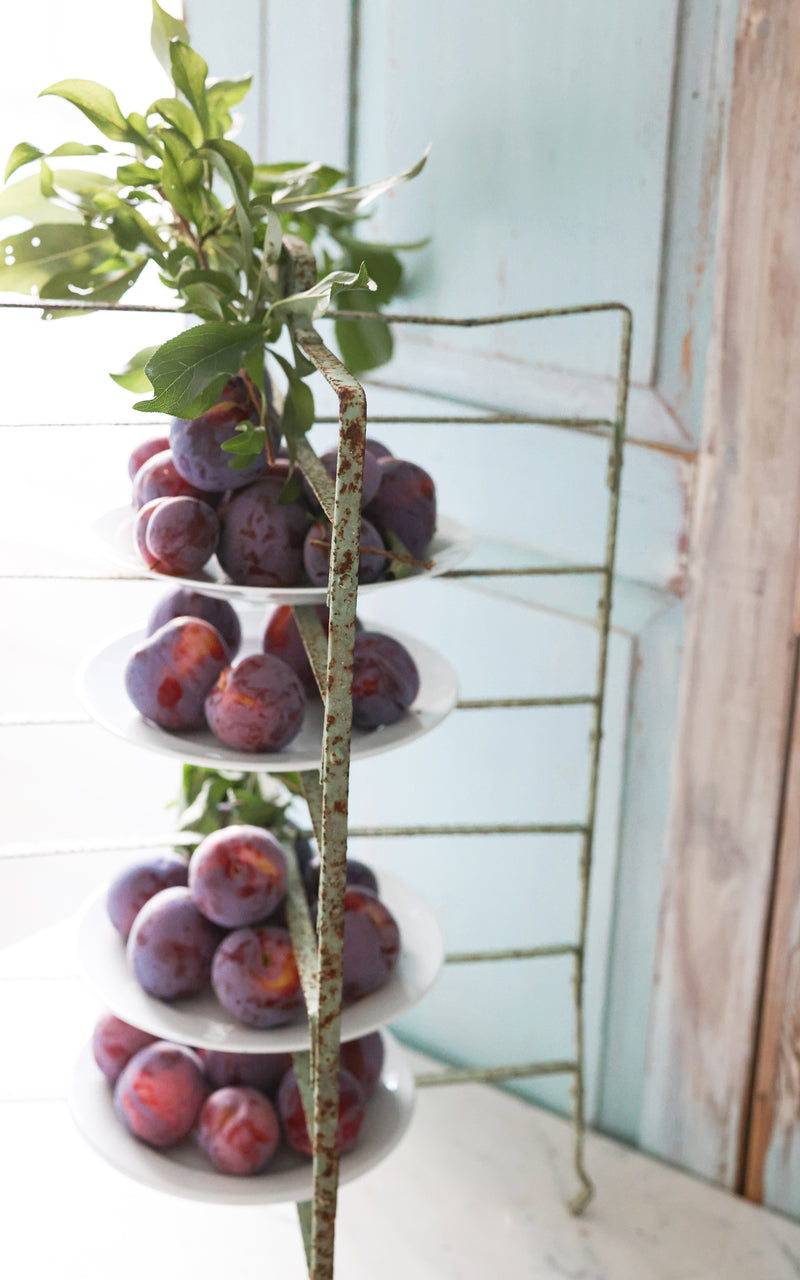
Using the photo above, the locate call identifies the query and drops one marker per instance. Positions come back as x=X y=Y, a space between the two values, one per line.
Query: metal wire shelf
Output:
x=327 y=793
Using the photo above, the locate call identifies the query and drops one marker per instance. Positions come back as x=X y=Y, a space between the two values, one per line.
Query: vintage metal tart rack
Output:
x=326 y=792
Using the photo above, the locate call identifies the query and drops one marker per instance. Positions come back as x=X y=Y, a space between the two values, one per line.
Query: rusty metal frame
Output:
x=330 y=800
x=320 y=956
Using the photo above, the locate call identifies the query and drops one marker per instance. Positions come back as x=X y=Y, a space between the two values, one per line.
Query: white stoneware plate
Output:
x=100 y=685
x=201 y=1021
x=449 y=547
x=186 y=1172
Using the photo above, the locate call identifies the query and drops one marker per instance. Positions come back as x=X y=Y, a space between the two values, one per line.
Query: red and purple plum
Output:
x=160 y=1092
x=352 y=1109
x=181 y=535
x=136 y=885
x=258 y=705
x=143 y=452
x=262 y=1071
x=169 y=676
x=316 y=558
x=372 y=478
x=282 y=640
x=371 y=944
x=254 y=975
x=184 y=603
x=196 y=443
x=171 y=946
x=385 y=680
x=237 y=875
x=158 y=478
x=363 y=1058
x=115 y=1042
x=377 y=449
x=405 y=504
x=261 y=542
x=239 y=1130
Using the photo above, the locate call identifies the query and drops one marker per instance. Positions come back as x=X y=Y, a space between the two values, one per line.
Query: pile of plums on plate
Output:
x=183 y=676
x=193 y=504
x=237 y=1107
x=220 y=922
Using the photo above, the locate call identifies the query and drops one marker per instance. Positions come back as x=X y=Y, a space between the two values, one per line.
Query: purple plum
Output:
x=171 y=946
x=184 y=603
x=160 y=1092
x=170 y=674
x=136 y=885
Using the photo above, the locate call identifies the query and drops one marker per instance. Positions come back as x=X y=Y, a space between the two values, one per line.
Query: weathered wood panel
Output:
x=772 y=1172
x=736 y=683
x=703 y=72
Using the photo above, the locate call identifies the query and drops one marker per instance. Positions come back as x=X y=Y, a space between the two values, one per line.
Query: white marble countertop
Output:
x=475 y=1191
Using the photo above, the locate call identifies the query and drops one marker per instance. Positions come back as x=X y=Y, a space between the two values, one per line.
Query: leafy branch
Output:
x=188 y=202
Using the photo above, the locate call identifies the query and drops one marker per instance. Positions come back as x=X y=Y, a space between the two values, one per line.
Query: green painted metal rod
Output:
x=570 y=700
x=513 y=953
x=493 y=1075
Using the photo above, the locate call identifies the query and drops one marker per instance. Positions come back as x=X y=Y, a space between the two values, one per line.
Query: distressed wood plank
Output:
x=703 y=75
x=736 y=682
x=771 y=1169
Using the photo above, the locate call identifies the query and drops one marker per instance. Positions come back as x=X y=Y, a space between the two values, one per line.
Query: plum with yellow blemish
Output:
x=170 y=674
x=237 y=875
x=257 y=705
x=255 y=977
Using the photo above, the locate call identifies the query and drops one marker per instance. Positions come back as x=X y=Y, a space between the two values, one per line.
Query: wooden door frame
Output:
x=737 y=681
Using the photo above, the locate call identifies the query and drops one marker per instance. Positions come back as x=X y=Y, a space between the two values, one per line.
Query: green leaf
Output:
x=46 y=180
x=350 y=200
x=236 y=157
x=189 y=73
x=22 y=154
x=216 y=280
x=291 y=491
x=137 y=174
x=298 y=406
x=180 y=116
x=79 y=149
x=382 y=264
x=133 y=376
x=297 y=179
x=190 y=369
x=24 y=199
x=107 y=289
x=364 y=344
x=98 y=104
x=398 y=568
x=221 y=96
x=163 y=29
x=312 y=303
x=34 y=256
x=221 y=156
x=247 y=444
